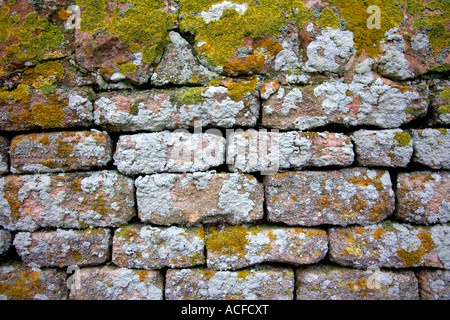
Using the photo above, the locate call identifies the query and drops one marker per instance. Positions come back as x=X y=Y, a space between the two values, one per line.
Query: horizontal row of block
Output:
x=318 y=282
x=232 y=103
x=387 y=244
x=80 y=200
x=244 y=151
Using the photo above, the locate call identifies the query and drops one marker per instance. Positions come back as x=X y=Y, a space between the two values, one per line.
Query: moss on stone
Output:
x=403 y=139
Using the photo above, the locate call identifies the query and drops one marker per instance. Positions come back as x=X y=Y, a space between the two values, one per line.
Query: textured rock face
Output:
x=423 y=197
x=157 y=110
x=224 y=149
x=390 y=244
x=19 y=282
x=60 y=151
x=62 y=248
x=148 y=153
x=240 y=246
x=267 y=151
x=110 y=283
x=146 y=247
x=347 y=196
x=431 y=148
x=338 y=283
x=205 y=284
x=67 y=200
x=166 y=199
x=387 y=148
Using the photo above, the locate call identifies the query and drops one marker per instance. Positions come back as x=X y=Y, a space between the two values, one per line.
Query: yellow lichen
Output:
x=237 y=89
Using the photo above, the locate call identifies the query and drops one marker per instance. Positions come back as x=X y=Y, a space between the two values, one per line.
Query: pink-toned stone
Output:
x=241 y=246
x=60 y=151
x=386 y=148
x=156 y=109
x=341 y=197
x=390 y=244
x=112 y=283
x=268 y=151
x=67 y=200
x=434 y=284
x=147 y=247
x=423 y=197
x=200 y=197
x=20 y=282
x=62 y=248
x=347 y=104
x=325 y=282
x=262 y=283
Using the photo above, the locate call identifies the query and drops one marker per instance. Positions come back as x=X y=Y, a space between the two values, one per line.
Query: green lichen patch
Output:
x=220 y=30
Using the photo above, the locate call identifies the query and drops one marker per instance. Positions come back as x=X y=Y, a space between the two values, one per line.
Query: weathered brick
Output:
x=5 y=241
x=67 y=200
x=431 y=147
x=157 y=110
x=241 y=246
x=261 y=283
x=434 y=284
x=252 y=150
x=346 y=196
x=200 y=197
x=20 y=282
x=147 y=247
x=391 y=245
x=165 y=151
x=62 y=248
x=60 y=151
x=387 y=148
x=64 y=108
x=4 y=155
x=112 y=283
x=363 y=101
x=423 y=197
x=325 y=282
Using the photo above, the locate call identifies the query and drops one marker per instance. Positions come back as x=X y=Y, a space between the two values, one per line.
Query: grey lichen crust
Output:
x=168 y=151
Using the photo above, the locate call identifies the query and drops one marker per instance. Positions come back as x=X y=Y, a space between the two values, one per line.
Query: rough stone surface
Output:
x=241 y=246
x=434 y=284
x=441 y=102
x=156 y=109
x=62 y=248
x=431 y=147
x=339 y=283
x=67 y=200
x=147 y=247
x=20 y=282
x=149 y=153
x=112 y=283
x=179 y=65
x=263 y=283
x=386 y=148
x=200 y=197
x=390 y=244
x=363 y=101
x=60 y=151
x=423 y=197
x=4 y=155
x=267 y=151
x=346 y=196
x=66 y=107
x=5 y=241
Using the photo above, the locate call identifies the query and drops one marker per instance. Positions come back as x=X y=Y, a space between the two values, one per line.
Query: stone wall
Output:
x=156 y=149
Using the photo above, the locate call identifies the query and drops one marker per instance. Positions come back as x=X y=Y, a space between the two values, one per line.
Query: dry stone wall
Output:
x=156 y=149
